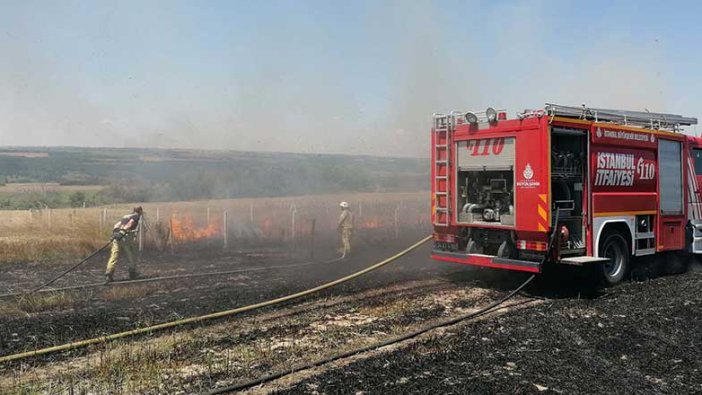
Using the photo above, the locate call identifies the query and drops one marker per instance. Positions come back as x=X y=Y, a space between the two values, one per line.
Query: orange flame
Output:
x=371 y=223
x=267 y=227
x=185 y=230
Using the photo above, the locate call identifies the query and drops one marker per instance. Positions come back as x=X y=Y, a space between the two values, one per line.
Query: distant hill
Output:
x=133 y=174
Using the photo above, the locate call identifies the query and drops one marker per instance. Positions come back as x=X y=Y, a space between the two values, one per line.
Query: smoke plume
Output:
x=361 y=78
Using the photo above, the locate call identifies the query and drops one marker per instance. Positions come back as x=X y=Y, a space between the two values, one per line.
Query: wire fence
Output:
x=293 y=221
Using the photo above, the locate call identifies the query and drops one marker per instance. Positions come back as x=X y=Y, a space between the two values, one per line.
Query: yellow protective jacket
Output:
x=346 y=220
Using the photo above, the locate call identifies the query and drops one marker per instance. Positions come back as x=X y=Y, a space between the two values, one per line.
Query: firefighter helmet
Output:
x=344 y=205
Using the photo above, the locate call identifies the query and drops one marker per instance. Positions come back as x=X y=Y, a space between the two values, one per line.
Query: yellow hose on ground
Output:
x=220 y=314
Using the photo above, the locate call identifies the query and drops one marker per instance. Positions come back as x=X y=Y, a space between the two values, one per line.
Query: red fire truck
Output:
x=565 y=185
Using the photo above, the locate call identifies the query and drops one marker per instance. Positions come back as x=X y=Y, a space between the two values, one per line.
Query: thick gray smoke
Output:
x=281 y=79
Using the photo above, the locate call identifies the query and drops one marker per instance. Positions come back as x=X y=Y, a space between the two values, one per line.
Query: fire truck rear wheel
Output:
x=615 y=247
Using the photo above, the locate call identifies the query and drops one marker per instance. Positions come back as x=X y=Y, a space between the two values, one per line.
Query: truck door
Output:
x=696 y=168
x=694 y=204
x=672 y=211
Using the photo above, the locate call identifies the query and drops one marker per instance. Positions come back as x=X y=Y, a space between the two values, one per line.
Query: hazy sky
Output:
x=326 y=76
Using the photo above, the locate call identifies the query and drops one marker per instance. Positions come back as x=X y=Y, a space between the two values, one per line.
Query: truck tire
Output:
x=614 y=247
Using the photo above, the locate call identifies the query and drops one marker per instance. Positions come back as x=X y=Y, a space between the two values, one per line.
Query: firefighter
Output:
x=123 y=237
x=345 y=228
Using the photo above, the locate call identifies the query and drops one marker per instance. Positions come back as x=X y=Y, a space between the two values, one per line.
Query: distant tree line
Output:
x=128 y=176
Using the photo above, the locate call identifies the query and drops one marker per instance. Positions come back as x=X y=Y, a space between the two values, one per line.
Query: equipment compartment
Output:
x=485 y=181
x=486 y=197
x=568 y=160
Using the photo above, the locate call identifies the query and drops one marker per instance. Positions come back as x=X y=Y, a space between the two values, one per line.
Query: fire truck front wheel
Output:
x=615 y=247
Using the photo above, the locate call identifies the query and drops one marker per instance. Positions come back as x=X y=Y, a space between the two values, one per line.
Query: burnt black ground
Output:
x=637 y=338
x=92 y=315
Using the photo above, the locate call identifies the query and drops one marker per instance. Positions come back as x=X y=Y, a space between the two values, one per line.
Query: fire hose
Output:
x=161 y=278
x=211 y=316
x=498 y=305
x=452 y=321
x=72 y=268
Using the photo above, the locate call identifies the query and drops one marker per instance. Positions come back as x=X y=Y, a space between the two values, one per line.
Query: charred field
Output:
x=560 y=336
x=640 y=337
x=59 y=317
x=49 y=318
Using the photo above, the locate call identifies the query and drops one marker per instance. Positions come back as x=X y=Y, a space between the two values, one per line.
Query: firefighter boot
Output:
x=133 y=274
x=108 y=278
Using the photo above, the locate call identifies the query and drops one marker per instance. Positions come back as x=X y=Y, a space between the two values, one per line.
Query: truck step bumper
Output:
x=487 y=261
x=583 y=260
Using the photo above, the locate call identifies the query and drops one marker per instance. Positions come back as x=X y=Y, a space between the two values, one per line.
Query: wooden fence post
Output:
x=225 y=232
x=314 y=223
x=293 y=211
x=396 y=228
x=171 y=236
x=140 y=233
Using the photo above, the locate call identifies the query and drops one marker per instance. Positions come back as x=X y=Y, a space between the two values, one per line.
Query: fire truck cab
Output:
x=565 y=185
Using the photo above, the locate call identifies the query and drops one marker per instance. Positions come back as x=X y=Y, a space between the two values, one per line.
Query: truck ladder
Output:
x=443 y=126
x=650 y=120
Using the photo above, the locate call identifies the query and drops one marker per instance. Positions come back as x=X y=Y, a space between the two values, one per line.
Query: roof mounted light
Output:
x=471 y=118
x=491 y=115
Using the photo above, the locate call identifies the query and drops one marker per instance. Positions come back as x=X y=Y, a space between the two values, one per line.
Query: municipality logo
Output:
x=528 y=172
x=527 y=182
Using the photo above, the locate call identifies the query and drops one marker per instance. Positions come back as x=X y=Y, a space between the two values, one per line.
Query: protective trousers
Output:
x=345 y=241
x=127 y=244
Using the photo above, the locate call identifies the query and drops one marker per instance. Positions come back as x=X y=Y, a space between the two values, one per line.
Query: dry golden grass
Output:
x=31 y=240
x=10 y=309
x=26 y=154
x=38 y=302
x=47 y=187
